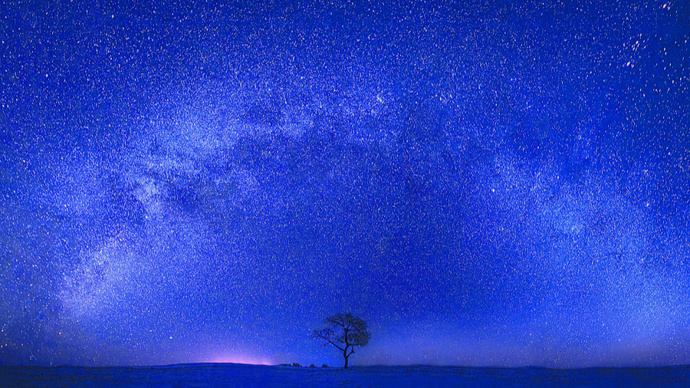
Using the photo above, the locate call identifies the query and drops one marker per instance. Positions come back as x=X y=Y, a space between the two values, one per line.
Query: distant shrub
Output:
x=324 y=366
x=312 y=366
x=296 y=364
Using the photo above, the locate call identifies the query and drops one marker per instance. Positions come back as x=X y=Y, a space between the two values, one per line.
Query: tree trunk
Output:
x=345 y=362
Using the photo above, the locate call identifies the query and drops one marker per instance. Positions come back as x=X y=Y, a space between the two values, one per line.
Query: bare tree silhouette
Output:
x=344 y=331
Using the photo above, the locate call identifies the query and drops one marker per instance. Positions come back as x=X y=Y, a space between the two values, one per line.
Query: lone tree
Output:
x=344 y=331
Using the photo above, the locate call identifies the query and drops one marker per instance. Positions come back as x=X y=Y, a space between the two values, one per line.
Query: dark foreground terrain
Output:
x=237 y=375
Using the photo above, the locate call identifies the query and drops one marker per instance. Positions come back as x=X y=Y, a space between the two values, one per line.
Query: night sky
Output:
x=485 y=183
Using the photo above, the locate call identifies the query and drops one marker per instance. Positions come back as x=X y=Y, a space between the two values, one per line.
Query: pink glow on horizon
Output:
x=240 y=359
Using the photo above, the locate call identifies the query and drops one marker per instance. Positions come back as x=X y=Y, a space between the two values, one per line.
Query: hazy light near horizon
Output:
x=238 y=359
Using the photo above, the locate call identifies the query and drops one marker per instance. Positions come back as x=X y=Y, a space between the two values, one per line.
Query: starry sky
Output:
x=486 y=183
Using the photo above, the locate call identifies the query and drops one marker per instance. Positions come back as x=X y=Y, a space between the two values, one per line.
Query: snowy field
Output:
x=236 y=375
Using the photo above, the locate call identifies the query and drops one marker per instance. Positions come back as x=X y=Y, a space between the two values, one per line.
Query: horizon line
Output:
x=309 y=367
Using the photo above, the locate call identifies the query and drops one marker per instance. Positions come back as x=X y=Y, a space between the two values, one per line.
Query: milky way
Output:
x=484 y=184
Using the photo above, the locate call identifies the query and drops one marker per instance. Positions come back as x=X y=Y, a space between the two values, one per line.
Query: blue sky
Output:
x=483 y=183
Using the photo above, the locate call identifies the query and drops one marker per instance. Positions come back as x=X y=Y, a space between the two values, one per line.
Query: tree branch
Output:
x=322 y=336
